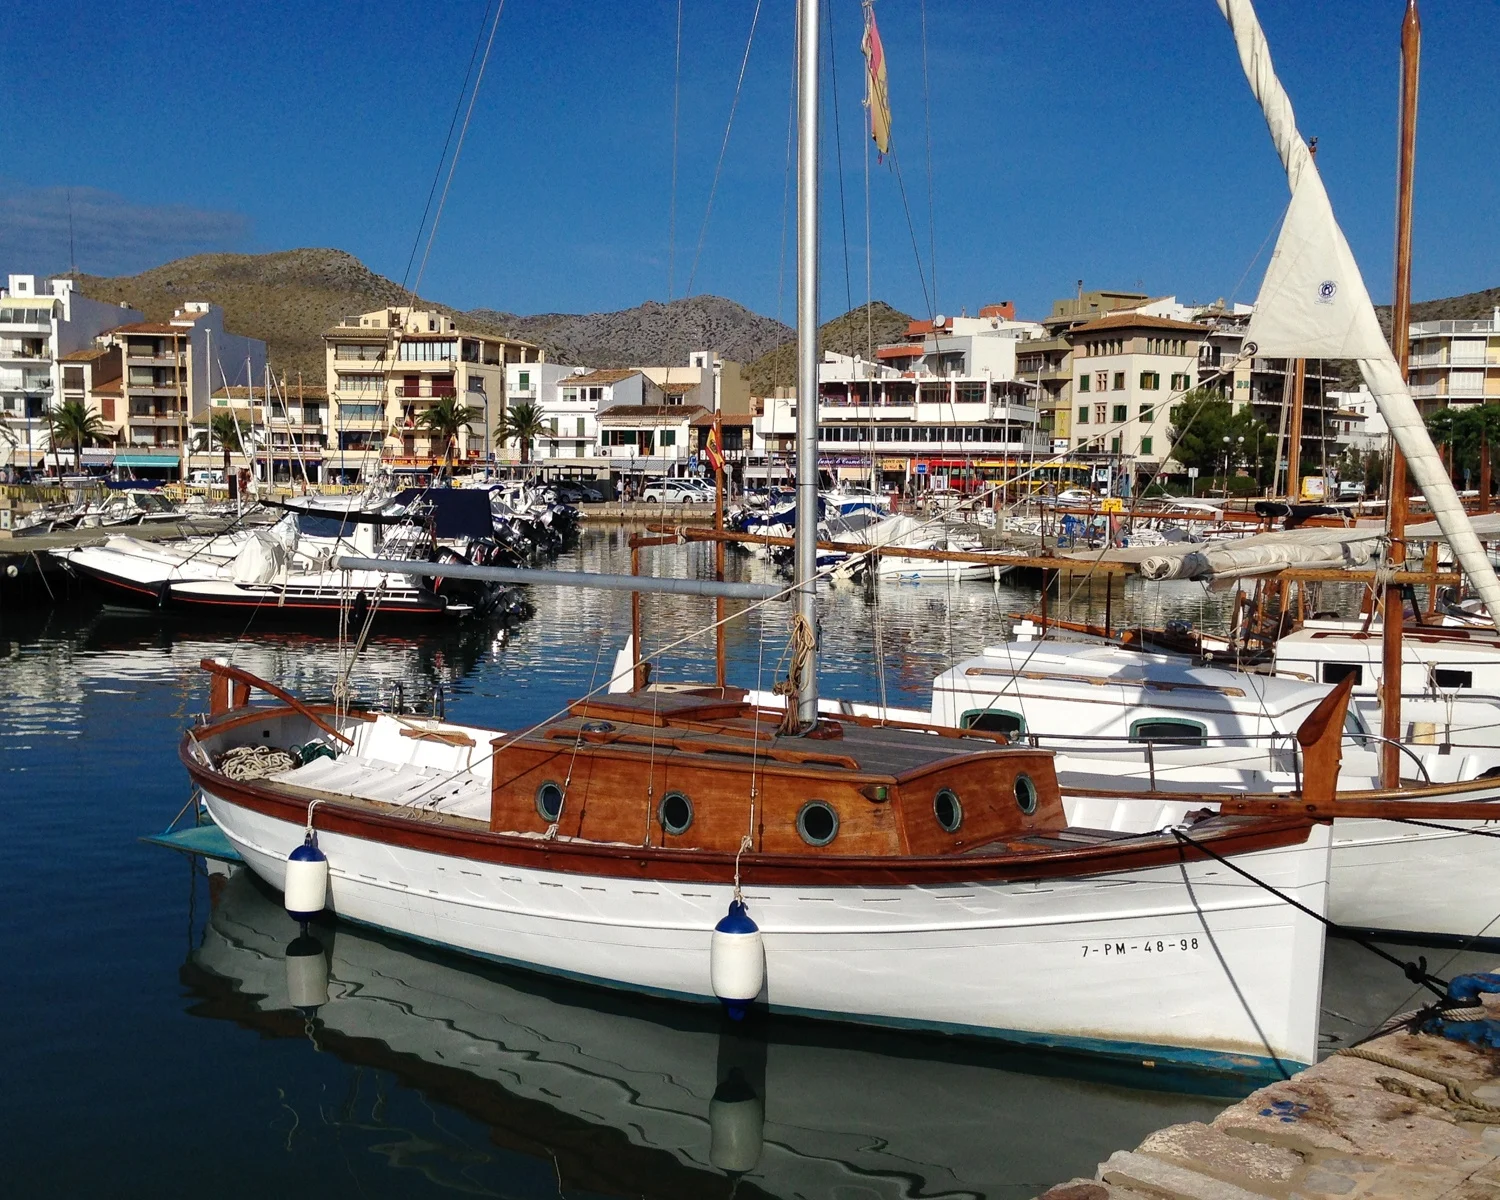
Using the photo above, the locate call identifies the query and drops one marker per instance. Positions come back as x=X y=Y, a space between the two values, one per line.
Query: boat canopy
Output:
x=1263 y=554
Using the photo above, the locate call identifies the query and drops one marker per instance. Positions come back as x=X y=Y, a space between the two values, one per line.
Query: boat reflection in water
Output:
x=630 y=1096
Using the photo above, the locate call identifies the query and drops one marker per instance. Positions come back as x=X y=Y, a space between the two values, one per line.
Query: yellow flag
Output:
x=877 y=95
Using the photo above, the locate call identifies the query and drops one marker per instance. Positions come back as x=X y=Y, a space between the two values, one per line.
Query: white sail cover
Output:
x=1314 y=298
x=1264 y=554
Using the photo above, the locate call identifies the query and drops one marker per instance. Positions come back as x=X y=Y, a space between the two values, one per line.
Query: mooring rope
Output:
x=1459 y=1098
x=1414 y=971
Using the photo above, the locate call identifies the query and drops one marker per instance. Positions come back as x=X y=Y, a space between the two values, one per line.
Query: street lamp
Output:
x=1226 y=466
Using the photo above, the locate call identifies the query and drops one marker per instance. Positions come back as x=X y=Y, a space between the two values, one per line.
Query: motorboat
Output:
x=286 y=572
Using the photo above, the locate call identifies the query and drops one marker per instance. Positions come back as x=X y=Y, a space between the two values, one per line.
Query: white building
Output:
x=42 y=322
x=1357 y=422
x=942 y=408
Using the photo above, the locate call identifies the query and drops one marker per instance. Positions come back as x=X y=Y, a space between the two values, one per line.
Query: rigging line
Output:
x=912 y=230
x=1415 y=971
x=931 y=205
x=723 y=148
x=672 y=206
x=437 y=173
x=459 y=148
x=838 y=146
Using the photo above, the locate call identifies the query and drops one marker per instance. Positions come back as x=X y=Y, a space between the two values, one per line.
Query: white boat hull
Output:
x=1173 y=964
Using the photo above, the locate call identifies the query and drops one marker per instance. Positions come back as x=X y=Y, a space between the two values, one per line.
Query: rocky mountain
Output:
x=649 y=333
x=289 y=298
x=1471 y=306
x=848 y=334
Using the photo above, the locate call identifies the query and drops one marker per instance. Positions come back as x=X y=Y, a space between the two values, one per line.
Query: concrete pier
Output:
x=1344 y=1129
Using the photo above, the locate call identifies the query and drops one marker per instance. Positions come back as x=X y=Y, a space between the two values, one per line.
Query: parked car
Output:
x=674 y=491
x=1351 y=489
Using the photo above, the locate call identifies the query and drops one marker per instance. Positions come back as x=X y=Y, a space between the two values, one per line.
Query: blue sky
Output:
x=1108 y=141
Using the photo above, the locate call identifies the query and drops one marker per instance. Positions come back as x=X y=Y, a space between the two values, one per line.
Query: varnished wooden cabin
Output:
x=687 y=770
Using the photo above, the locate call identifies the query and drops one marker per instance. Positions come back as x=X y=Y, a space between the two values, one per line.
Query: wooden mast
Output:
x=1391 y=612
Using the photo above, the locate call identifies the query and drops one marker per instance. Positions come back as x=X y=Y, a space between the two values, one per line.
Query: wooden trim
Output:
x=417 y=831
x=224 y=670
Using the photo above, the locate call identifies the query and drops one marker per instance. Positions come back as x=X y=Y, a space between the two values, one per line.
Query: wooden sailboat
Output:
x=696 y=846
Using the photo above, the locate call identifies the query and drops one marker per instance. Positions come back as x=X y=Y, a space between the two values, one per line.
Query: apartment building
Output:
x=386 y=368
x=1128 y=370
x=42 y=322
x=1046 y=358
x=1455 y=362
x=93 y=378
x=170 y=369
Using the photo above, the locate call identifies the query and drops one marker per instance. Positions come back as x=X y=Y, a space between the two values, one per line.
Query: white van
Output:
x=205 y=479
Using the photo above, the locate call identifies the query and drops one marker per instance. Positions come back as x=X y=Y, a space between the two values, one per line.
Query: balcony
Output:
x=426 y=391
x=152 y=358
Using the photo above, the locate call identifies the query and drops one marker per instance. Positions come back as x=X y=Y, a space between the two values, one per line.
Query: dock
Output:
x=1406 y=1116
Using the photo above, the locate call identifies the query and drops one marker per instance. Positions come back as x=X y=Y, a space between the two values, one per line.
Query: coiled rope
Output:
x=802 y=643
x=255 y=762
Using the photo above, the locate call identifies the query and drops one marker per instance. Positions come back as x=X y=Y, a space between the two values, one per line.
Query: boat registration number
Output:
x=1176 y=945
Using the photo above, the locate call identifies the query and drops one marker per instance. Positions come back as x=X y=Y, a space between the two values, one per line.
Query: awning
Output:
x=147 y=460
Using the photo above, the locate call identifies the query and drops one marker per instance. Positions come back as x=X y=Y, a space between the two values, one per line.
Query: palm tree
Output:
x=521 y=423
x=74 y=422
x=444 y=420
x=224 y=430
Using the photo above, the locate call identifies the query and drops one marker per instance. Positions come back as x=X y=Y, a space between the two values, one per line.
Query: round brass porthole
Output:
x=817 y=823
x=675 y=812
x=549 y=800
x=948 y=810
x=1025 y=794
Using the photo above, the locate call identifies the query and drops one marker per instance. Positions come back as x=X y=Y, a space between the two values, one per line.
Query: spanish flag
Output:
x=877 y=94
x=712 y=451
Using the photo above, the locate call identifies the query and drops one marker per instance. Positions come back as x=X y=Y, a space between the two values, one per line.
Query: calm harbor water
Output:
x=149 y=1046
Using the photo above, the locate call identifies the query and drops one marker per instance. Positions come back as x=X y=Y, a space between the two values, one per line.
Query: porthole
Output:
x=817 y=823
x=948 y=810
x=1025 y=794
x=549 y=800
x=675 y=812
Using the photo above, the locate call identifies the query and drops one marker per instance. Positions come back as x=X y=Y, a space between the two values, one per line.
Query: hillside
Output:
x=286 y=299
x=649 y=333
x=1471 y=306
x=846 y=334
x=289 y=298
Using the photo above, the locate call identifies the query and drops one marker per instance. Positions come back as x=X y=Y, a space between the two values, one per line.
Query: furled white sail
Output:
x=1315 y=255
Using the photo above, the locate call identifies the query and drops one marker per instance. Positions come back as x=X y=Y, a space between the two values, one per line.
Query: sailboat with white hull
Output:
x=696 y=846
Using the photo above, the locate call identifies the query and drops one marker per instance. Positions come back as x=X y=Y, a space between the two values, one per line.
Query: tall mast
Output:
x=805 y=555
x=1391 y=615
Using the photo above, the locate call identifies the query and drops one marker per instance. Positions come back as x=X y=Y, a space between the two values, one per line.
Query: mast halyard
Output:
x=805 y=554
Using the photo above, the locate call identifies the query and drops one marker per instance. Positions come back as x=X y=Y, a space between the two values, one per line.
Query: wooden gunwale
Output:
x=420 y=830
